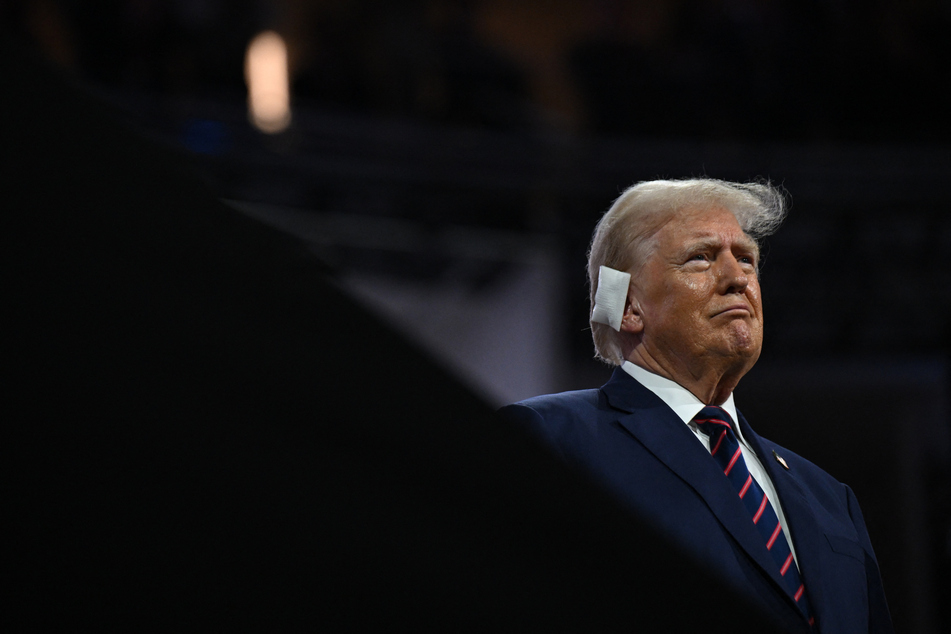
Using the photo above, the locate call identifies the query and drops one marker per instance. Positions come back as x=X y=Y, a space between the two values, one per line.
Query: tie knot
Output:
x=713 y=419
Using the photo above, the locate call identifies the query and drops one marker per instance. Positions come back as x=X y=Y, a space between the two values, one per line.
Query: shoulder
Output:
x=787 y=461
x=563 y=404
x=620 y=393
x=565 y=420
x=807 y=472
x=832 y=501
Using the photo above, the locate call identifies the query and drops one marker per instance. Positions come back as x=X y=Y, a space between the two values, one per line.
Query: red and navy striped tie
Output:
x=716 y=423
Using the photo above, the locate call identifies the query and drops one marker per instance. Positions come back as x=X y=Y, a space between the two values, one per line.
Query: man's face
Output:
x=698 y=295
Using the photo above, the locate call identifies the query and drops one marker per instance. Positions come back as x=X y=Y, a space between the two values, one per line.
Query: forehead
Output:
x=714 y=224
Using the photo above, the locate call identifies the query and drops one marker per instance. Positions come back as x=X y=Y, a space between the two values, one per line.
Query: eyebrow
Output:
x=712 y=241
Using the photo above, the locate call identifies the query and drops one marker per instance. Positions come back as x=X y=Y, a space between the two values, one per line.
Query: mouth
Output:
x=737 y=310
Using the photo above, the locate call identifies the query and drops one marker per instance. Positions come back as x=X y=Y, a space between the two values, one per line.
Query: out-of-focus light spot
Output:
x=265 y=71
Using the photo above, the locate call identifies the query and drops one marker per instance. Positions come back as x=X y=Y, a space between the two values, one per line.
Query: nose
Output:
x=732 y=277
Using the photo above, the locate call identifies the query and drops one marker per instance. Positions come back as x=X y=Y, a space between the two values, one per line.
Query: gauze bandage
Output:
x=611 y=296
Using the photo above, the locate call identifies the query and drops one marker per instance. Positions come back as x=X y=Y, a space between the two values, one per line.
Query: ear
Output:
x=632 y=321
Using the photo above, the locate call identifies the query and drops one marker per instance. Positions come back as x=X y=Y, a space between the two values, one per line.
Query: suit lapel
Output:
x=807 y=536
x=666 y=436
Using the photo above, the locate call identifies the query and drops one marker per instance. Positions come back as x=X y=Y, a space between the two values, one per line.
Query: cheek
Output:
x=695 y=293
x=686 y=285
x=753 y=292
x=697 y=284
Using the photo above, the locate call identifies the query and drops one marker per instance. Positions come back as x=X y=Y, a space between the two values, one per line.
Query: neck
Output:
x=710 y=382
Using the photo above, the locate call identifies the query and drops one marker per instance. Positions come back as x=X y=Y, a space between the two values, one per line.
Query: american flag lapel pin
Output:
x=780 y=460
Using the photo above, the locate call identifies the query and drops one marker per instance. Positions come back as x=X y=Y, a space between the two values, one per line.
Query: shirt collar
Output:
x=677 y=397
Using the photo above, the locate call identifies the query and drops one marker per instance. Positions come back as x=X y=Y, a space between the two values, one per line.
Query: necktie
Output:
x=716 y=423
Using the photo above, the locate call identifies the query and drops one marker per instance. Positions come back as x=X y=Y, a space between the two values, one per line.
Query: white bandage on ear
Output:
x=611 y=297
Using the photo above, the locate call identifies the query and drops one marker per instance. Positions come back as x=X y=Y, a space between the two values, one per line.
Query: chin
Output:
x=751 y=357
x=743 y=355
x=750 y=354
x=745 y=341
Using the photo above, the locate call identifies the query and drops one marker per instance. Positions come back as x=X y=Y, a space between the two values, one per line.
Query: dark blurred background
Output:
x=449 y=160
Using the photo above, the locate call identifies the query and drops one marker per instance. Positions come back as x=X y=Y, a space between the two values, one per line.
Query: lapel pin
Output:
x=780 y=460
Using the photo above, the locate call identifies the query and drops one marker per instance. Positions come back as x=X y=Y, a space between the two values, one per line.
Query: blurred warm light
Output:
x=265 y=71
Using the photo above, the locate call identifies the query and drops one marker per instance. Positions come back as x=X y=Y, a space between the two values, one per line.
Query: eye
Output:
x=747 y=259
x=702 y=257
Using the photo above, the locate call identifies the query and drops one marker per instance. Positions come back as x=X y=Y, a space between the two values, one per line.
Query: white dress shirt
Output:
x=687 y=406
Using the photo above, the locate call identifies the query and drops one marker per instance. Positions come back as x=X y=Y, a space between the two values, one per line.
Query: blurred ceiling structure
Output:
x=532 y=117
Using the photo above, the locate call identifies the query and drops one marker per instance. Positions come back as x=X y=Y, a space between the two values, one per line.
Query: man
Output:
x=676 y=305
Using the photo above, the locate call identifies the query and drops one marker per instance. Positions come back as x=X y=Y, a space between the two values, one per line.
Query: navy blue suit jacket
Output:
x=635 y=446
